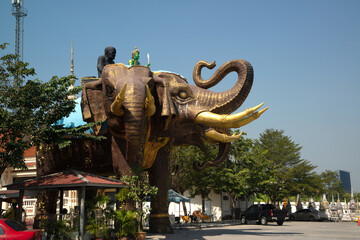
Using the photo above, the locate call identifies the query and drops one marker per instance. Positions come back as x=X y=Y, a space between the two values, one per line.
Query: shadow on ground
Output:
x=221 y=233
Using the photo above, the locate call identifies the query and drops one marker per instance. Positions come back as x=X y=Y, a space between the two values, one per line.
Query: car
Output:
x=11 y=230
x=264 y=213
x=310 y=214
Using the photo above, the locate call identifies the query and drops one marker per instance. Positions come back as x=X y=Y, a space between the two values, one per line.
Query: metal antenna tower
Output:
x=19 y=12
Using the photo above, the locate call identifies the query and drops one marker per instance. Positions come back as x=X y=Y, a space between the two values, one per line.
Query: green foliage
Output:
x=293 y=174
x=185 y=177
x=99 y=216
x=31 y=109
x=270 y=167
x=331 y=183
x=57 y=229
x=127 y=222
x=246 y=172
x=138 y=189
x=123 y=195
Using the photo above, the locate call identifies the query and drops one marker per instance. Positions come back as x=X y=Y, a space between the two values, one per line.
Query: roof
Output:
x=71 y=179
x=9 y=193
x=31 y=152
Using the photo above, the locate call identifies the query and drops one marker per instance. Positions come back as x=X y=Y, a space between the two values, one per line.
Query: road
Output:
x=290 y=230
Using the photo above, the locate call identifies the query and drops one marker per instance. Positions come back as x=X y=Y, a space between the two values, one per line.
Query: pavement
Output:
x=234 y=230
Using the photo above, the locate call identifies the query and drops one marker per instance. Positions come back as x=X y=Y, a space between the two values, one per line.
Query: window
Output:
x=253 y=209
x=14 y=225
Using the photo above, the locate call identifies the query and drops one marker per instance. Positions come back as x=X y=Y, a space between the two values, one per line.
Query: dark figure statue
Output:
x=107 y=58
x=146 y=113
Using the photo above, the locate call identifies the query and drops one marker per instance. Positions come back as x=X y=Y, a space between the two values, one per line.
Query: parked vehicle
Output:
x=264 y=213
x=310 y=214
x=11 y=230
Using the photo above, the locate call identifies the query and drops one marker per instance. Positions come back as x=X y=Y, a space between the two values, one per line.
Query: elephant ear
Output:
x=92 y=102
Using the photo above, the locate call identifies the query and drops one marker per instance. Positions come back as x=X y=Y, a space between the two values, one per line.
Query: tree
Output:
x=293 y=174
x=185 y=177
x=30 y=110
x=138 y=190
x=331 y=183
x=245 y=173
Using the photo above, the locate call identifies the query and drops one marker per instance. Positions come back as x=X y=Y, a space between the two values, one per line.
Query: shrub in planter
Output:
x=99 y=216
x=126 y=220
x=58 y=230
x=138 y=189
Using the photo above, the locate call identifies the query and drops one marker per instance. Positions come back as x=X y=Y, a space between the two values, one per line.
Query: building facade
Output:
x=344 y=176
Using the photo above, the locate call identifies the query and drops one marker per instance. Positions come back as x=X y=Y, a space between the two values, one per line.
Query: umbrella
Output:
x=173 y=197
x=176 y=197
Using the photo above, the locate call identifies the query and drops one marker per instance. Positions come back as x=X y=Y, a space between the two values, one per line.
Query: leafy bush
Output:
x=127 y=222
x=58 y=230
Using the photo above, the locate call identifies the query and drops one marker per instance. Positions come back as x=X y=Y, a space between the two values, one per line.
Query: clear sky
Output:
x=305 y=54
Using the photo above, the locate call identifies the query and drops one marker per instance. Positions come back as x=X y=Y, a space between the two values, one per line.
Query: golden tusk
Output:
x=222 y=120
x=150 y=108
x=116 y=106
x=251 y=118
x=215 y=136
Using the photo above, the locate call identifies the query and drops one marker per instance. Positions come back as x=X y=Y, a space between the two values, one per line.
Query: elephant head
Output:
x=201 y=114
x=144 y=110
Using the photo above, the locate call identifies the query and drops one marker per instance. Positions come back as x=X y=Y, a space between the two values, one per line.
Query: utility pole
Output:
x=19 y=12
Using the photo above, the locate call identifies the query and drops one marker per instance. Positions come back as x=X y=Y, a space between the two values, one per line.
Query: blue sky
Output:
x=305 y=54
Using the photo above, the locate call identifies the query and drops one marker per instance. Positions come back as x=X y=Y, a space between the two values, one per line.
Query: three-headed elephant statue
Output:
x=147 y=112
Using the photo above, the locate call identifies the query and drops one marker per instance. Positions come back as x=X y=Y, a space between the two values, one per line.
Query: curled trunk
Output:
x=228 y=101
x=224 y=149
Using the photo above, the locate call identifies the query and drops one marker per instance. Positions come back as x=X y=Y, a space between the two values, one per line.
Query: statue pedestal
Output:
x=346 y=216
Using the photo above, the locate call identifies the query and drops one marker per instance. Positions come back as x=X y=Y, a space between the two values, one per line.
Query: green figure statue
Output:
x=135 y=55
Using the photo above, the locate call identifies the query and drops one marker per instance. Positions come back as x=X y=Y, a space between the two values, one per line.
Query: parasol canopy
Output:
x=176 y=197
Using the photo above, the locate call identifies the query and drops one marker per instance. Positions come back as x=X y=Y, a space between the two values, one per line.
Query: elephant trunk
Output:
x=228 y=101
x=223 y=103
x=135 y=129
x=224 y=150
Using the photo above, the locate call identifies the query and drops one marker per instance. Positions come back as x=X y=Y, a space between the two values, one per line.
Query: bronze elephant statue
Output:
x=145 y=113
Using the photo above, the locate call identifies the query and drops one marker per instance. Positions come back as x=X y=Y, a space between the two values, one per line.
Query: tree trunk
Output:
x=203 y=203
x=2 y=169
x=184 y=207
x=233 y=205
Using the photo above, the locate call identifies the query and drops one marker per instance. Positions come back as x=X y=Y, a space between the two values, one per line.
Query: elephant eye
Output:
x=109 y=90
x=183 y=95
